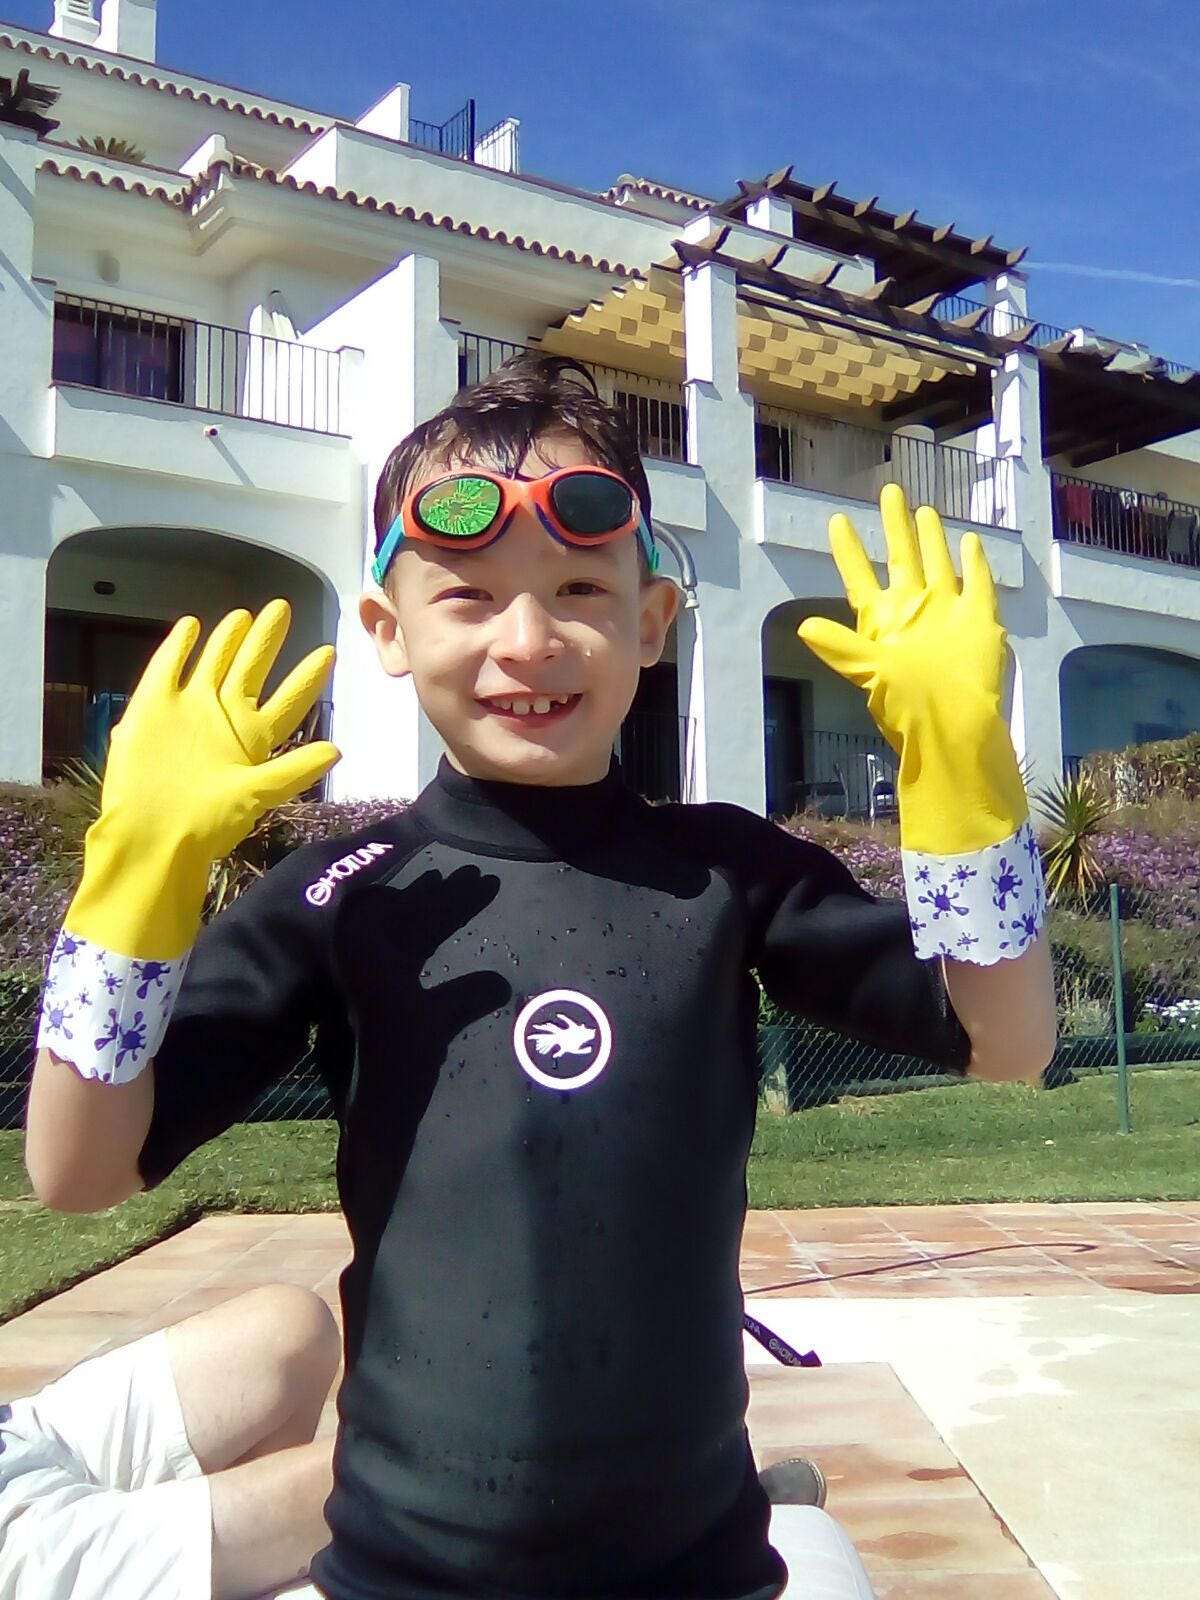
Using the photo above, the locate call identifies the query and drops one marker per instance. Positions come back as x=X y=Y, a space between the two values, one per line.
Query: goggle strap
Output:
x=387 y=550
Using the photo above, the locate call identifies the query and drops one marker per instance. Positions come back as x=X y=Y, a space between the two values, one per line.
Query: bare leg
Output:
x=252 y=1377
x=269 y=1519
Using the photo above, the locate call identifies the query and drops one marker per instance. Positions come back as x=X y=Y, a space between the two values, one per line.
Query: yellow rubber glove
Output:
x=930 y=655
x=189 y=774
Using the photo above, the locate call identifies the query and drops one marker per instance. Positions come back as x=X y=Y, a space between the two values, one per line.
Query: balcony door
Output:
x=650 y=735
x=787 y=708
x=120 y=351
x=92 y=665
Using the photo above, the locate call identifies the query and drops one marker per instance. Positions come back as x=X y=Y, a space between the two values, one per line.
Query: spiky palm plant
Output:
x=22 y=103
x=227 y=879
x=107 y=145
x=1076 y=811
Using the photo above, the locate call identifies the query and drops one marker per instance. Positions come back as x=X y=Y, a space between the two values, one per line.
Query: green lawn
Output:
x=965 y=1143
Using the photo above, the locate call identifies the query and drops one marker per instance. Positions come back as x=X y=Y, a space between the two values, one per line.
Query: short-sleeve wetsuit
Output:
x=536 y=1013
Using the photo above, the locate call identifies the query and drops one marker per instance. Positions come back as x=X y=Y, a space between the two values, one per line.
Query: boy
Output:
x=533 y=1002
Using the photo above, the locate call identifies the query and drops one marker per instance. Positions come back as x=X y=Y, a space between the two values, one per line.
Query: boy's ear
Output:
x=660 y=602
x=377 y=612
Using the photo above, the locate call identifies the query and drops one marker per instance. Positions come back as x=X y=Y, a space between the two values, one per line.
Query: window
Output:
x=660 y=425
x=772 y=452
x=124 y=352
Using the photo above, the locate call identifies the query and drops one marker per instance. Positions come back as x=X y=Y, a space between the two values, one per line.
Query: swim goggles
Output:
x=581 y=506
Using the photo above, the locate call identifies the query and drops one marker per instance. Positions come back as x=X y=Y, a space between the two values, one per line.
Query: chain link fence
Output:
x=1128 y=999
x=1126 y=1006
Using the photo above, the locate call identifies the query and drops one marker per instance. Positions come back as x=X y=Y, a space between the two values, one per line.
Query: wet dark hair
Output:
x=499 y=419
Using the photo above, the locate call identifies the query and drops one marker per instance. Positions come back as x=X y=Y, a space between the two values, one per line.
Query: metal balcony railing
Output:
x=839 y=775
x=654 y=406
x=1135 y=524
x=815 y=452
x=454 y=137
x=125 y=350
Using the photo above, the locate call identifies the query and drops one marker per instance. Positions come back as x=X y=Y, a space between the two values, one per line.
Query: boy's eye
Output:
x=583 y=586
x=464 y=592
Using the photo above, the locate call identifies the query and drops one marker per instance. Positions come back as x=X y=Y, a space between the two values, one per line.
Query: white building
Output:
x=207 y=354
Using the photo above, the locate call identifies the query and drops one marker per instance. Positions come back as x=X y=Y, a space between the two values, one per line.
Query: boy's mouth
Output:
x=532 y=711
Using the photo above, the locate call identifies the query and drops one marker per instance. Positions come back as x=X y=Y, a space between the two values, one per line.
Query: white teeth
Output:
x=539 y=705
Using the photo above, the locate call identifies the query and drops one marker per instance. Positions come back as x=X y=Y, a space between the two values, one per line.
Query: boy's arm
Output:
x=930 y=652
x=189 y=772
x=82 y=1136
x=1008 y=1011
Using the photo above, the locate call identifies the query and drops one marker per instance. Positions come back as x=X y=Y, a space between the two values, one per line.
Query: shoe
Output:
x=795 y=1482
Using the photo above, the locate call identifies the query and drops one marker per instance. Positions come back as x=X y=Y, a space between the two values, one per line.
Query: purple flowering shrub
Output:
x=41 y=843
x=41 y=838
x=871 y=854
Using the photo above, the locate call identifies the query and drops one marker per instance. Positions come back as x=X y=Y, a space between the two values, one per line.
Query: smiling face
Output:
x=526 y=653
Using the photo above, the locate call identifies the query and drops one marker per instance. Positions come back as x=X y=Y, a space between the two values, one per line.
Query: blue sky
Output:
x=1069 y=126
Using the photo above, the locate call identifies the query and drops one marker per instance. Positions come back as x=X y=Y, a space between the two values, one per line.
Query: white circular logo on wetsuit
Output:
x=562 y=1039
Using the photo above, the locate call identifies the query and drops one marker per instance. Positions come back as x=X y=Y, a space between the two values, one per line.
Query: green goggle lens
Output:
x=460 y=508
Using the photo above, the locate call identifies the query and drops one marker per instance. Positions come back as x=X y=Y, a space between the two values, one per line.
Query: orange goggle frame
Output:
x=579 y=506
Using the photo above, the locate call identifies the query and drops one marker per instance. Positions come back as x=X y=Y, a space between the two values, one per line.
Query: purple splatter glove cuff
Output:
x=983 y=907
x=106 y=1014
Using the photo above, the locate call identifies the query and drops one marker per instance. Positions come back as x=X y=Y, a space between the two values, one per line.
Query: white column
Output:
x=27 y=324
x=1008 y=297
x=388 y=117
x=771 y=214
x=75 y=20
x=1032 y=613
x=409 y=371
x=26 y=307
x=721 y=679
x=129 y=28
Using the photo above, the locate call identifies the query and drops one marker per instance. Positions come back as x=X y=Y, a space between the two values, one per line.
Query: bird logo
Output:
x=562 y=1037
x=562 y=1026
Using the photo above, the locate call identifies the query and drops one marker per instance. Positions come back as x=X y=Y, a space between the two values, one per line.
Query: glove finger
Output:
x=257 y=654
x=838 y=647
x=295 y=697
x=935 y=552
x=165 y=668
x=284 y=777
x=853 y=563
x=219 y=650
x=904 y=555
x=979 y=587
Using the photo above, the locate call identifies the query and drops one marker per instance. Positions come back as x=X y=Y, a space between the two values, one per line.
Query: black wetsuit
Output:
x=535 y=1011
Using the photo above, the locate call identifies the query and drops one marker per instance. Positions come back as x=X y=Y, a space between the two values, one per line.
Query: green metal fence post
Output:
x=1114 y=911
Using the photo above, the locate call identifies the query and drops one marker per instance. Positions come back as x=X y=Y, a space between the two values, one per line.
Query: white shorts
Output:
x=101 y=1497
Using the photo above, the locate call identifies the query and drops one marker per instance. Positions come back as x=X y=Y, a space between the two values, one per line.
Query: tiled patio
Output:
x=986 y=1369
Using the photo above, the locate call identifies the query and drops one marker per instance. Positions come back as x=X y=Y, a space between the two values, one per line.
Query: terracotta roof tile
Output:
x=200 y=188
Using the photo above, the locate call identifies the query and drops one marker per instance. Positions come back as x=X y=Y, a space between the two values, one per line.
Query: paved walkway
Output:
x=1009 y=1406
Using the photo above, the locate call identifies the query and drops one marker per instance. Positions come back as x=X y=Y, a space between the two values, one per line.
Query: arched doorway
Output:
x=1114 y=695
x=111 y=597
x=823 y=751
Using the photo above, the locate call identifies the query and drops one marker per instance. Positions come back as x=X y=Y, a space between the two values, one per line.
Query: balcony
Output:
x=654 y=407
x=1150 y=527
x=458 y=136
x=199 y=365
x=840 y=458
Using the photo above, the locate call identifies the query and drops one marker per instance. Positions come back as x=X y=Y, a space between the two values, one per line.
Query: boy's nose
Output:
x=526 y=632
